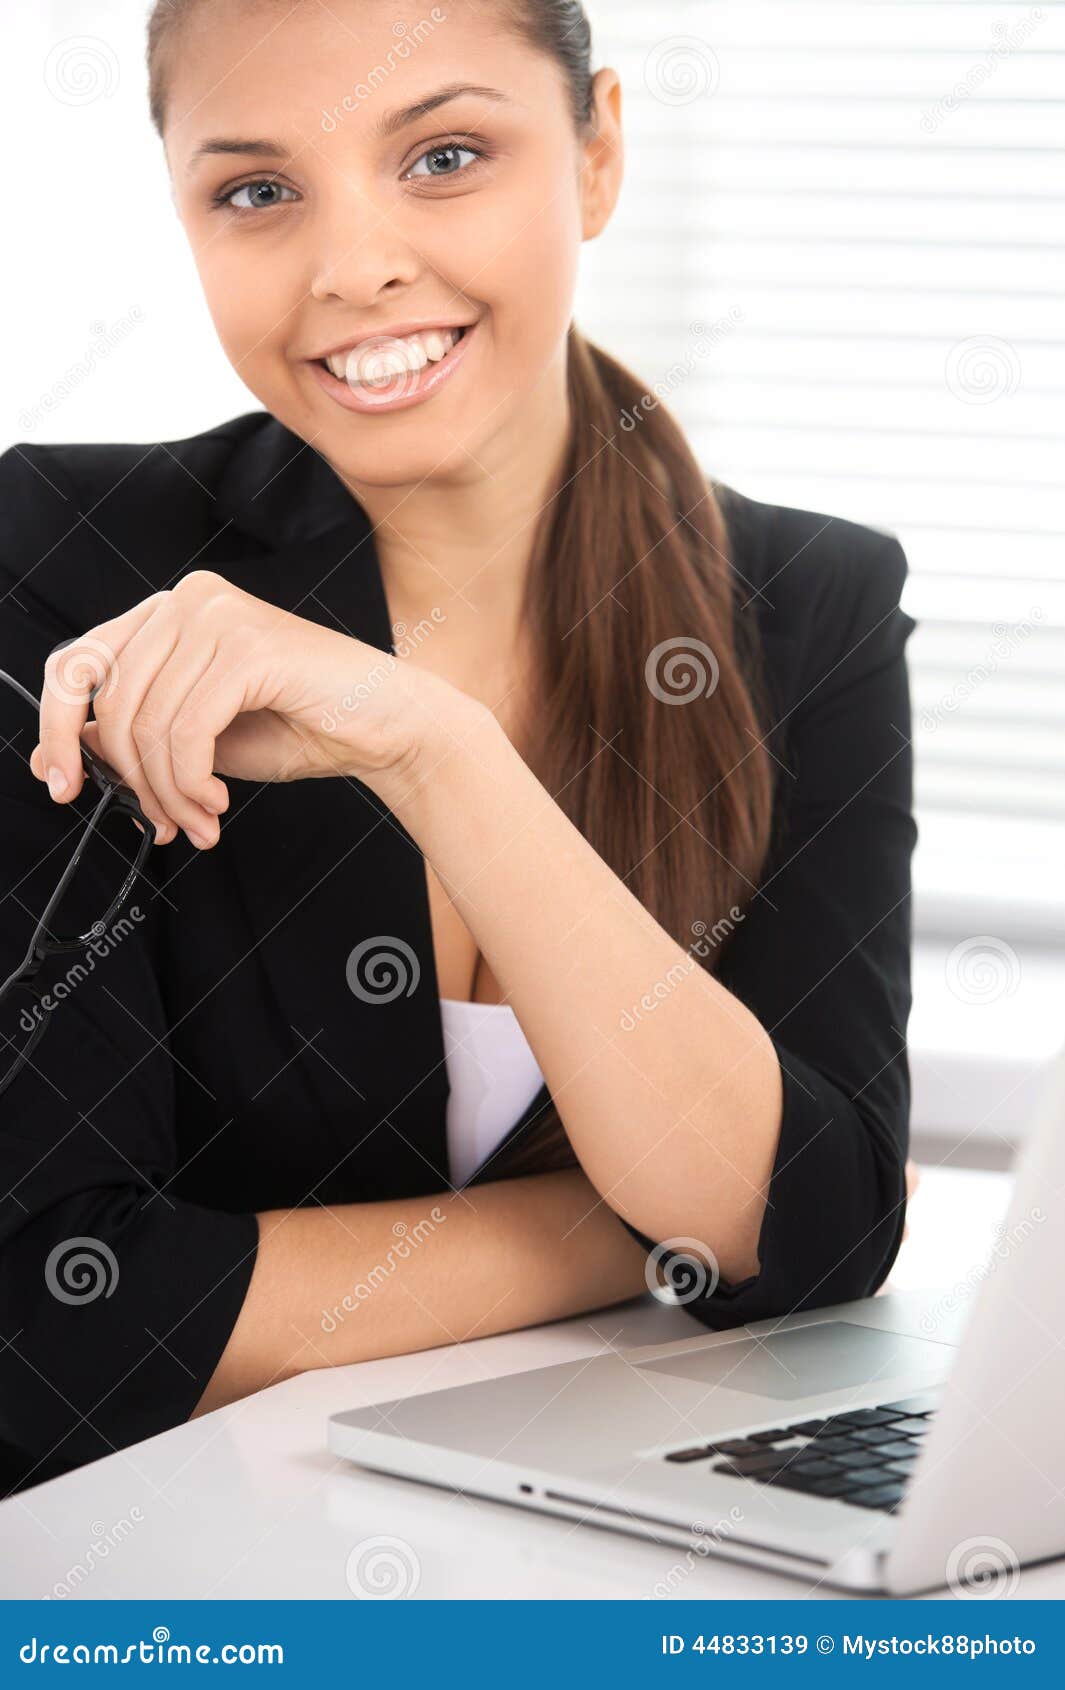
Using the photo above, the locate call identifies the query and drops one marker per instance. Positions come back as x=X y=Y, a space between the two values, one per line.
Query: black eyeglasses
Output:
x=118 y=850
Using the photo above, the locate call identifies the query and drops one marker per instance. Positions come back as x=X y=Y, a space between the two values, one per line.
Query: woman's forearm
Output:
x=365 y=1280
x=675 y=1115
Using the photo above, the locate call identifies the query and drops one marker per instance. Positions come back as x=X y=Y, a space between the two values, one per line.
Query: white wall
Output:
x=107 y=334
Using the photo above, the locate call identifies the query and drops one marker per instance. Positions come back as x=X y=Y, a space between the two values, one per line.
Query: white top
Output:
x=493 y=1076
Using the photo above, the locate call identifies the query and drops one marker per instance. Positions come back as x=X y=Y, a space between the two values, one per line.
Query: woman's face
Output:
x=369 y=219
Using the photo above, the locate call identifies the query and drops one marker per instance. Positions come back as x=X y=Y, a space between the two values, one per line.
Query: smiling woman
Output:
x=448 y=692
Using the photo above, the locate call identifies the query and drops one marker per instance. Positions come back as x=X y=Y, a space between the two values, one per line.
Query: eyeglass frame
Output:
x=116 y=796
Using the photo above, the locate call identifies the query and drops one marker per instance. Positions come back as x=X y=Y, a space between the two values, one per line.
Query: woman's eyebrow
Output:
x=398 y=119
x=225 y=144
x=389 y=124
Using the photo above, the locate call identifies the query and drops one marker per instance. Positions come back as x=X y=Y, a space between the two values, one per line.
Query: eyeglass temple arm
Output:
x=30 y=697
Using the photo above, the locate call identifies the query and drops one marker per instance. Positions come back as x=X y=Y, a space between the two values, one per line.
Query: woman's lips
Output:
x=400 y=391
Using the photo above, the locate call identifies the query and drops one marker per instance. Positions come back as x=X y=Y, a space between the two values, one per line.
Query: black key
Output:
x=776 y=1436
x=809 y=1428
x=738 y=1446
x=864 y=1478
x=838 y=1486
x=926 y=1404
x=828 y=1487
x=914 y=1427
x=877 y=1496
x=756 y=1475
x=702 y=1453
x=857 y=1458
x=833 y=1445
x=870 y=1437
x=813 y=1467
x=894 y=1452
x=900 y=1469
x=753 y=1466
x=866 y=1417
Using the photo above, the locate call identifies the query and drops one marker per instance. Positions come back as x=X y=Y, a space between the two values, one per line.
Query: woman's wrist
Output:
x=441 y=736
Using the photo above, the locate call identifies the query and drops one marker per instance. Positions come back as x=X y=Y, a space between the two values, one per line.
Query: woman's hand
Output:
x=205 y=680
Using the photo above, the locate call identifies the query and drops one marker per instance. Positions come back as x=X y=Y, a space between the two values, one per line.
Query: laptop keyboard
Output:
x=863 y=1456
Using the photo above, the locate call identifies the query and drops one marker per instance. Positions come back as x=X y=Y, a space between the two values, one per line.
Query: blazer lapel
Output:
x=358 y=1002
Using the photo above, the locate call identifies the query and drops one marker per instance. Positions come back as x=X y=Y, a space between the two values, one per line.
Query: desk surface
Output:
x=248 y=1502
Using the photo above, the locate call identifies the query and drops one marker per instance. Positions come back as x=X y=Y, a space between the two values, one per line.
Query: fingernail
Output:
x=57 y=783
x=200 y=840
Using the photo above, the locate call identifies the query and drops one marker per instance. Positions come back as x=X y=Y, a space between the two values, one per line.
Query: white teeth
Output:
x=377 y=361
x=381 y=363
x=437 y=342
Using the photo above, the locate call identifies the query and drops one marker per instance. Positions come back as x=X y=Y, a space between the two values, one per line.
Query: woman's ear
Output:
x=603 y=155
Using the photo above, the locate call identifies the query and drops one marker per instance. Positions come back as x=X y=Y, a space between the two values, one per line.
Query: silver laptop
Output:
x=873 y=1446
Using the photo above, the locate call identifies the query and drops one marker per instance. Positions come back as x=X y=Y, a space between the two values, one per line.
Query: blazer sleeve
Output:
x=823 y=960
x=116 y=1296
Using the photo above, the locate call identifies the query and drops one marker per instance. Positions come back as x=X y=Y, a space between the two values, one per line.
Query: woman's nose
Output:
x=358 y=253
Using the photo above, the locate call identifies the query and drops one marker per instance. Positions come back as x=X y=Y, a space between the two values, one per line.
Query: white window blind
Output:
x=840 y=251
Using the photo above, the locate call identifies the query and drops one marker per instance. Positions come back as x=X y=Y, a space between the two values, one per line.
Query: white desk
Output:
x=247 y=1502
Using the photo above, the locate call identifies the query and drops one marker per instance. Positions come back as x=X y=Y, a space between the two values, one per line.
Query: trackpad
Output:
x=808 y=1361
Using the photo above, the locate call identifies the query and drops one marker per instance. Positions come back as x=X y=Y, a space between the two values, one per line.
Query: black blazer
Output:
x=215 y=1062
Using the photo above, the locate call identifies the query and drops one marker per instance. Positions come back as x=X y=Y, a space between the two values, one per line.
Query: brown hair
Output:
x=630 y=593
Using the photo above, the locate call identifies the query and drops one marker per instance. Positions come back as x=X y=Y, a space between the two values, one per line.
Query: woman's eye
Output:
x=230 y=196
x=441 y=161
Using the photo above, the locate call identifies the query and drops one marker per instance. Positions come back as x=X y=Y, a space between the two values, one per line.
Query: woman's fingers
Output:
x=72 y=675
x=210 y=707
x=117 y=709
x=176 y=743
x=159 y=665
x=165 y=829
x=136 y=674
